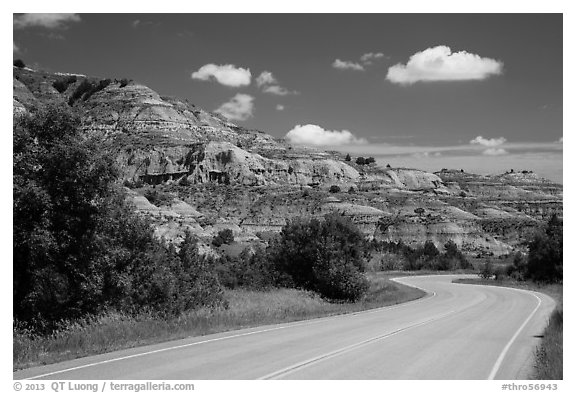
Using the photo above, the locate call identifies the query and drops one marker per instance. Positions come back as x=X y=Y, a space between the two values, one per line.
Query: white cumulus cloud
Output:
x=441 y=64
x=495 y=151
x=265 y=78
x=49 y=21
x=280 y=107
x=480 y=140
x=311 y=134
x=15 y=48
x=239 y=107
x=347 y=65
x=228 y=74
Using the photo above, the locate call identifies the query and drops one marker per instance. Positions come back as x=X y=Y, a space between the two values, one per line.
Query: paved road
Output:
x=457 y=331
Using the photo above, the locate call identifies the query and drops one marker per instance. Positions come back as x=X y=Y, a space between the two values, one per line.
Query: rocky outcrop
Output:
x=223 y=176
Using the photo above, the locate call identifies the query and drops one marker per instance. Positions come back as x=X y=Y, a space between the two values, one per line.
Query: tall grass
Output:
x=246 y=308
x=549 y=354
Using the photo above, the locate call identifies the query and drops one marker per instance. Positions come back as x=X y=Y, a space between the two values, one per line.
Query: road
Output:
x=457 y=331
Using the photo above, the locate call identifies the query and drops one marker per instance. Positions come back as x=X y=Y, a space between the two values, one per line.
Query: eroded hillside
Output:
x=204 y=174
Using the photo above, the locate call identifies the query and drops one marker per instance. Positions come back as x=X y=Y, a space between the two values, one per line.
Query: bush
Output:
x=225 y=236
x=86 y=89
x=360 y=161
x=325 y=256
x=545 y=255
x=334 y=189
x=370 y=160
x=124 y=82
x=61 y=85
x=348 y=158
x=487 y=270
x=19 y=63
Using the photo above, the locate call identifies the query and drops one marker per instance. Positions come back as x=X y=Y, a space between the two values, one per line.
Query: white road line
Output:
x=297 y=324
x=500 y=359
x=297 y=366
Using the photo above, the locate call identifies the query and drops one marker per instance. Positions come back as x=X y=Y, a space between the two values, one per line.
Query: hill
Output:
x=188 y=168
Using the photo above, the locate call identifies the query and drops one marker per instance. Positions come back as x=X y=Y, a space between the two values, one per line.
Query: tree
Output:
x=225 y=236
x=325 y=256
x=360 y=161
x=348 y=158
x=19 y=63
x=370 y=160
x=419 y=211
x=545 y=258
x=334 y=188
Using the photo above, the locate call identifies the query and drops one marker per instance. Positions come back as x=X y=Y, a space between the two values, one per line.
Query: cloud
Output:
x=493 y=151
x=561 y=140
x=278 y=90
x=480 y=140
x=347 y=65
x=227 y=74
x=269 y=84
x=280 y=107
x=311 y=134
x=367 y=58
x=265 y=78
x=49 y=21
x=239 y=107
x=16 y=48
x=440 y=64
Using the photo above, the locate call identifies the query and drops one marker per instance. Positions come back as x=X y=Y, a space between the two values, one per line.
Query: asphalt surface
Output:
x=456 y=332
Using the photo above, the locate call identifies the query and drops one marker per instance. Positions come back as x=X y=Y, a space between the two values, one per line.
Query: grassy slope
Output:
x=549 y=353
x=247 y=308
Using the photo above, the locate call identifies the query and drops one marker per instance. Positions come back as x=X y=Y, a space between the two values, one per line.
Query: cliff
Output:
x=220 y=175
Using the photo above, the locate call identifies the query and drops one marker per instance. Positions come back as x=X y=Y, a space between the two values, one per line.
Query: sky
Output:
x=482 y=92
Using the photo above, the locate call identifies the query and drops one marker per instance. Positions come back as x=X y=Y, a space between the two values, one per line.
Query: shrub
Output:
x=370 y=160
x=124 y=82
x=19 y=63
x=61 y=85
x=487 y=270
x=360 y=161
x=545 y=255
x=334 y=189
x=225 y=236
x=348 y=158
x=325 y=256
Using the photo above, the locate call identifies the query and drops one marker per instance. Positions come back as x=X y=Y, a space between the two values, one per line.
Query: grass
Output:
x=549 y=357
x=114 y=331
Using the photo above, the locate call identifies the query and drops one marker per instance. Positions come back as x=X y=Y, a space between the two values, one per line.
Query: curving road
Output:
x=457 y=331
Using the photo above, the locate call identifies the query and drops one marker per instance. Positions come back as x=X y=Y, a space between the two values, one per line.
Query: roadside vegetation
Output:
x=245 y=308
x=540 y=270
x=386 y=256
x=90 y=276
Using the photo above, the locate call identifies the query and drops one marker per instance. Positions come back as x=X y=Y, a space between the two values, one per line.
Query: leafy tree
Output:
x=545 y=259
x=360 y=161
x=325 y=256
x=79 y=247
x=370 y=160
x=225 y=236
x=19 y=63
x=348 y=158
